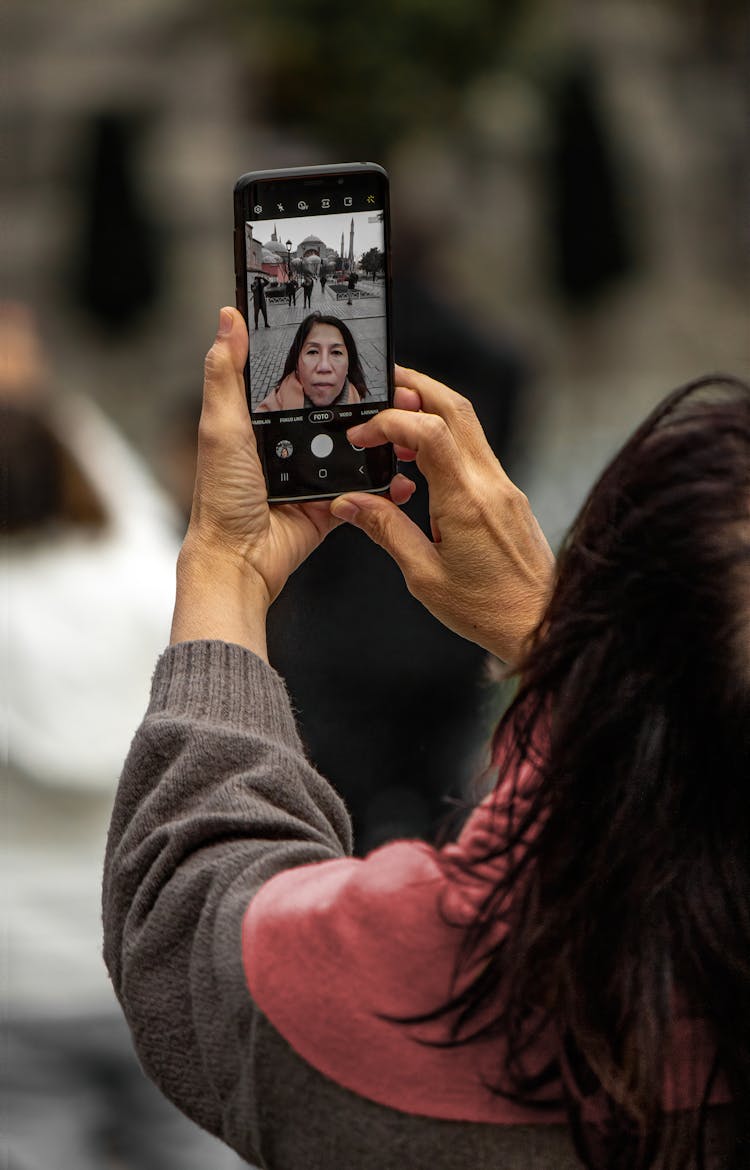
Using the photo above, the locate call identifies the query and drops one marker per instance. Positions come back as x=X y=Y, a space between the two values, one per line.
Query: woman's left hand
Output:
x=233 y=532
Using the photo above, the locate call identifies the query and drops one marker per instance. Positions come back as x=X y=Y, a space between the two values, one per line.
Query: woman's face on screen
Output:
x=323 y=364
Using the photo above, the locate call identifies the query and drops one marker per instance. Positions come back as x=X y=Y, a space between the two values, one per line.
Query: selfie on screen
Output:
x=317 y=311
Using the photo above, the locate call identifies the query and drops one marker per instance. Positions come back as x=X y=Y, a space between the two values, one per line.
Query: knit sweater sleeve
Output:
x=216 y=797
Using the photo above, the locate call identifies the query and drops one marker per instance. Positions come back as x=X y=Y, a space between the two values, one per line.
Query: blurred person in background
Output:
x=89 y=570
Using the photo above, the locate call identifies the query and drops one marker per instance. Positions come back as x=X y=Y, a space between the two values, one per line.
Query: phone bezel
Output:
x=242 y=206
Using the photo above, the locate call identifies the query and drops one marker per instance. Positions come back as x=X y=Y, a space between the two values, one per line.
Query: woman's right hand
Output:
x=487 y=573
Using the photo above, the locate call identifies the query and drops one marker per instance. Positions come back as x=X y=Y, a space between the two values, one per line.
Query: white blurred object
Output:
x=86 y=614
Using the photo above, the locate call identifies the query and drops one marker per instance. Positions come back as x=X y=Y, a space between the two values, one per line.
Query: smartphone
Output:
x=312 y=271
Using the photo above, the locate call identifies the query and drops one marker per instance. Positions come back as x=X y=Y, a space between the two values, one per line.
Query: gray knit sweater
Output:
x=216 y=798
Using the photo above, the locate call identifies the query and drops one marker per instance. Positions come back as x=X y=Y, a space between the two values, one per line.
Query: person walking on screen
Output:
x=258 y=289
x=307 y=287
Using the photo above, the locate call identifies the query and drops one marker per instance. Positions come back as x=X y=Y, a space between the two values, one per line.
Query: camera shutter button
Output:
x=321 y=446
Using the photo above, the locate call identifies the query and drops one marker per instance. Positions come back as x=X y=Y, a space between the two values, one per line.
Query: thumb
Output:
x=225 y=361
x=387 y=526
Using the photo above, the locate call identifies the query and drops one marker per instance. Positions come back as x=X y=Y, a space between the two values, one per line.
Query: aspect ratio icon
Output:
x=325 y=204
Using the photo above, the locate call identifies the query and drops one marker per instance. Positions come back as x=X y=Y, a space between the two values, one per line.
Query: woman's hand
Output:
x=238 y=552
x=488 y=571
x=231 y=520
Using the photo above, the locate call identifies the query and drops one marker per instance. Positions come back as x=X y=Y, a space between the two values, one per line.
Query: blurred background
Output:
x=576 y=174
x=571 y=239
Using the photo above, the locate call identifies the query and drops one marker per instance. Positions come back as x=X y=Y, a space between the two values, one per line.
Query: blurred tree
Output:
x=722 y=26
x=373 y=261
x=590 y=241
x=116 y=265
x=359 y=78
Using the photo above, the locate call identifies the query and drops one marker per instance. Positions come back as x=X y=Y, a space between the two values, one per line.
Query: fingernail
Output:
x=226 y=321
x=345 y=510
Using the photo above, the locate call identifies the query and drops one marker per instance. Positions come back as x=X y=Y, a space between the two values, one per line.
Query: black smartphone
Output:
x=312 y=270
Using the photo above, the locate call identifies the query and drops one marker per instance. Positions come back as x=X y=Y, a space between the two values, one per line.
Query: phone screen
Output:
x=315 y=282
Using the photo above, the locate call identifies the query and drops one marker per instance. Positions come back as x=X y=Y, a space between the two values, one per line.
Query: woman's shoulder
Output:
x=288 y=395
x=337 y=953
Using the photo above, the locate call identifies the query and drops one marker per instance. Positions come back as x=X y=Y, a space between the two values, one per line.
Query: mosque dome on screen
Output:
x=312 y=246
x=276 y=247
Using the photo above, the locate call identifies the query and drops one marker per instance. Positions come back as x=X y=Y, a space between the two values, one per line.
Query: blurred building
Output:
x=186 y=84
x=255 y=251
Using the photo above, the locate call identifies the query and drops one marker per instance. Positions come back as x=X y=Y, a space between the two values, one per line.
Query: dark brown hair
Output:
x=633 y=713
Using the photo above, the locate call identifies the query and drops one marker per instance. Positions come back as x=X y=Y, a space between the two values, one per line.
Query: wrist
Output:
x=219 y=596
x=512 y=645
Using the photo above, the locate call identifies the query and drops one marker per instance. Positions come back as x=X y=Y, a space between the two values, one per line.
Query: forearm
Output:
x=215 y=798
x=218 y=598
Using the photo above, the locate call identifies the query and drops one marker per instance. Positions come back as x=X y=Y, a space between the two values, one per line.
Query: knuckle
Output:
x=516 y=499
x=207 y=430
x=416 y=581
x=435 y=428
x=209 y=364
x=419 y=577
x=380 y=525
x=471 y=485
x=422 y=587
x=464 y=408
x=215 y=364
x=216 y=426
